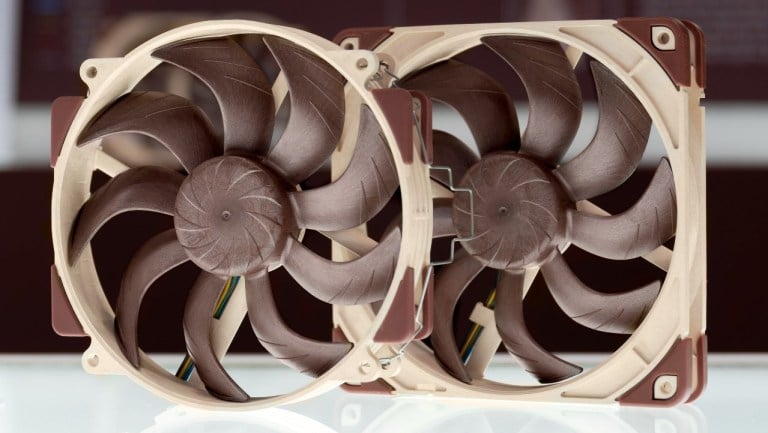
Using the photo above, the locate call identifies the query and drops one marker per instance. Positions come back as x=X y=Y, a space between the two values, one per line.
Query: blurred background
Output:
x=43 y=42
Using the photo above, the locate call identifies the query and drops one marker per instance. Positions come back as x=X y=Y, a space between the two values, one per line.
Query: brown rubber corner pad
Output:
x=426 y=125
x=677 y=363
x=378 y=386
x=676 y=63
x=399 y=324
x=63 y=318
x=63 y=112
x=368 y=37
x=701 y=367
x=397 y=105
x=427 y=312
x=701 y=58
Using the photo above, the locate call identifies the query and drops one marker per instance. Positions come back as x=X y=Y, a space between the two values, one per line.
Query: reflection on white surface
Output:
x=52 y=394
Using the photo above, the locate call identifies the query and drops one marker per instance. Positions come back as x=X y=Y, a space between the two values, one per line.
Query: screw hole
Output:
x=93 y=360
x=348 y=46
x=667 y=387
x=362 y=64
x=91 y=72
x=663 y=38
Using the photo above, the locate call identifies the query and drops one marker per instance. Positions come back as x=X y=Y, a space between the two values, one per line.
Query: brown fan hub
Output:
x=519 y=211
x=231 y=215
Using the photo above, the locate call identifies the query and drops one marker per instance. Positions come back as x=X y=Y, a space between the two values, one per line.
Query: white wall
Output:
x=8 y=45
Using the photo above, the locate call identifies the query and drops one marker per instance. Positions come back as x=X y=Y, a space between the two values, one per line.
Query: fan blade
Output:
x=449 y=285
x=360 y=281
x=479 y=99
x=618 y=145
x=241 y=88
x=172 y=120
x=316 y=93
x=157 y=256
x=618 y=313
x=361 y=192
x=510 y=322
x=442 y=211
x=452 y=153
x=554 y=97
x=143 y=188
x=198 y=321
x=645 y=226
x=298 y=352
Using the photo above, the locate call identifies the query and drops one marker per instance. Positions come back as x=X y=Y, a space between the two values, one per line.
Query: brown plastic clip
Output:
x=676 y=62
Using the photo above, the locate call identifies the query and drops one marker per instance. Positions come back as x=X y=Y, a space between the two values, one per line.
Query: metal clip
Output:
x=378 y=77
x=387 y=361
x=456 y=240
x=451 y=187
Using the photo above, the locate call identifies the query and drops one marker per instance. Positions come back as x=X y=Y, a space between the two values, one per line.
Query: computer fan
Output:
x=239 y=205
x=126 y=32
x=517 y=205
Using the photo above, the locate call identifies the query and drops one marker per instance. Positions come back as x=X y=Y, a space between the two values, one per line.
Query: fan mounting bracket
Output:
x=361 y=64
x=94 y=72
x=96 y=360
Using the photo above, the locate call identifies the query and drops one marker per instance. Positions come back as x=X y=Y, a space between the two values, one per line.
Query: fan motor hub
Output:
x=230 y=216
x=519 y=211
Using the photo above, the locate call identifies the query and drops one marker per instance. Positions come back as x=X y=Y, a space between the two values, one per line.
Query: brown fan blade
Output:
x=453 y=153
x=442 y=211
x=143 y=188
x=360 y=281
x=198 y=321
x=157 y=256
x=618 y=145
x=618 y=313
x=241 y=88
x=478 y=98
x=361 y=192
x=172 y=120
x=450 y=283
x=303 y=354
x=554 y=97
x=316 y=93
x=645 y=226
x=510 y=322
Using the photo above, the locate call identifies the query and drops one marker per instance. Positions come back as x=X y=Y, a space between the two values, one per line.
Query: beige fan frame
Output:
x=109 y=78
x=678 y=313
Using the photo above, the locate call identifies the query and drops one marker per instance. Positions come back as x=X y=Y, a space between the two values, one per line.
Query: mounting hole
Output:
x=362 y=63
x=665 y=387
x=91 y=72
x=93 y=360
x=662 y=38
x=348 y=46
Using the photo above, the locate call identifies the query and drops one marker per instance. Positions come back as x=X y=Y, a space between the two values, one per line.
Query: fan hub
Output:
x=231 y=215
x=519 y=211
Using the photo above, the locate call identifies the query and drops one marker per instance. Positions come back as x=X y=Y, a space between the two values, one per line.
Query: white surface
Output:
x=52 y=394
x=735 y=134
x=8 y=58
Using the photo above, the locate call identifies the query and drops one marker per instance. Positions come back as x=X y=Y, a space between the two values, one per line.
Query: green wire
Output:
x=187 y=366
x=476 y=330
